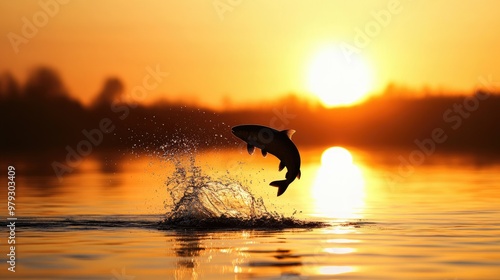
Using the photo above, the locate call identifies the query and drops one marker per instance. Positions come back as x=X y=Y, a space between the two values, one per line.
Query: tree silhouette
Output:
x=44 y=83
x=111 y=91
x=9 y=87
x=40 y=115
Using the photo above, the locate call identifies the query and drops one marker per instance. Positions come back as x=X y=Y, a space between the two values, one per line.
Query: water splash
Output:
x=201 y=202
x=197 y=200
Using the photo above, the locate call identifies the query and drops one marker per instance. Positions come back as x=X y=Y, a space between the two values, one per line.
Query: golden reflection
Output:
x=342 y=240
x=338 y=189
x=334 y=269
x=339 y=251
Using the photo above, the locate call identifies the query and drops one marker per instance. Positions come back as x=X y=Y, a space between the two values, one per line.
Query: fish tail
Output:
x=282 y=186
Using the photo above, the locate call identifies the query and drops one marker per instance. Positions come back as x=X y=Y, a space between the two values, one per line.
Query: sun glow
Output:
x=338 y=189
x=339 y=78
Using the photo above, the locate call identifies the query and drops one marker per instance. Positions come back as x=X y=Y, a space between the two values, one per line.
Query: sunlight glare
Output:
x=339 y=251
x=338 y=189
x=339 y=79
x=336 y=157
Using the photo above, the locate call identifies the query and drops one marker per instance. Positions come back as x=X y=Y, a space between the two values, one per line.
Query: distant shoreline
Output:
x=41 y=115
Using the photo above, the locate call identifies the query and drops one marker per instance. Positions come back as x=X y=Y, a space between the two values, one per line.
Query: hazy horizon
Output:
x=42 y=107
x=392 y=90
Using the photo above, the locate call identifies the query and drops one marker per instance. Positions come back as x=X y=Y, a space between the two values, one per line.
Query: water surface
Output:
x=437 y=220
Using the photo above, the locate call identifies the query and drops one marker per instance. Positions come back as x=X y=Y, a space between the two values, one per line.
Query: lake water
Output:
x=434 y=220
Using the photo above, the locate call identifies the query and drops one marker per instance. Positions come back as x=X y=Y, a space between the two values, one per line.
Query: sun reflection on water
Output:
x=338 y=188
x=339 y=251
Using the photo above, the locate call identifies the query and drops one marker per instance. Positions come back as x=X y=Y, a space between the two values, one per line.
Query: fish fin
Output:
x=264 y=153
x=288 y=132
x=250 y=149
x=282 y=186
x=282 y=165
x=298 y=175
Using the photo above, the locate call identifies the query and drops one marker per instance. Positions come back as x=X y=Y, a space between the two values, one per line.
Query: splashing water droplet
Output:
x=199 y=201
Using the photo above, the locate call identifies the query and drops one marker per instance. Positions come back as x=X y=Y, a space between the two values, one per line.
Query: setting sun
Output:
x=338 y=79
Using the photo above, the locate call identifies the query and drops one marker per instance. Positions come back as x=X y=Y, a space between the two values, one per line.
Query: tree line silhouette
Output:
x=40 y=115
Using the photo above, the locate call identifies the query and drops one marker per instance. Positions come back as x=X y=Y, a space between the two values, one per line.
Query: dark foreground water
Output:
x=353 y=215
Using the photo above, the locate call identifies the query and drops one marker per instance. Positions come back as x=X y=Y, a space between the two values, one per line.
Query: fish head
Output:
x=242 y=131
x=255 y=135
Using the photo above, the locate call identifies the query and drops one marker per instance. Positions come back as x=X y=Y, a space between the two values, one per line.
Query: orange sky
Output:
x=256 y=49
